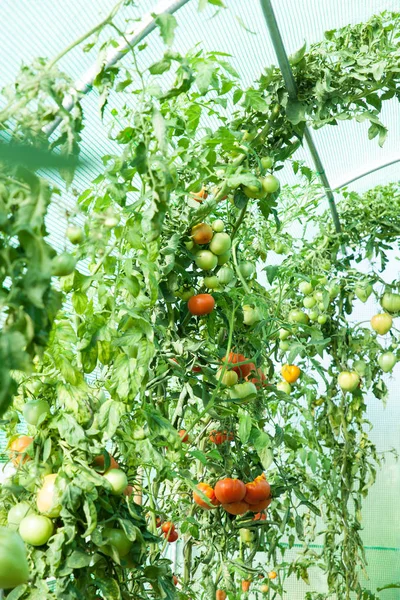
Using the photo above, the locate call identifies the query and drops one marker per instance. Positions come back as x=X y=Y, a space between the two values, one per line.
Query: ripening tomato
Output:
x=206 y=260
x=171 y=537
x=47 y=500
x=229 y=378
x=117 y=480
x=264 y=588
x=229 y=490
x=243 y=370
x=259 y=378
x=243 y=390
x=100 y=461
x=200 y=196
x=284 y=386
x=184 y=436
x=391 y=302
x=236 y=508
x=290 y=373
x=348 y=381
x=202 y=234
x=245 y=585
x=257 y=490
x=175 y=580
x=36 y=530
x=381 y=323
x=201 y=304
x=128 y=491
x=167 y=527
x=220 y=595
x=272 y=575
x=18 y=448
x=17 y=513
x=220 y=437
x=208 y=491
x=34 y=410
x=118 y=539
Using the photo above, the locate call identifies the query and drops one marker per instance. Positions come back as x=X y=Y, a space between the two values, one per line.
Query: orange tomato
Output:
x=202 y=233
x=230 y=490
x=18 y=448
x=201 y=304
x=167 y=527
x=242 y=370
x=220 y=595
x=260 y=517
x=245 y=585
x=261 y=505
x=183 y=435
x=99 y=462
x=219 y=437
x=257 y=490
x=175 y=579
x=290 y=373
x=272 y=575
x=200 y=196
x=236 y=508
x=209 y=492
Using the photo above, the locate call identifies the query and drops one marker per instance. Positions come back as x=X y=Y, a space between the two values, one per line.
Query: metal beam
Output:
x=145 y=26
x=382 y=166
x=290 y=84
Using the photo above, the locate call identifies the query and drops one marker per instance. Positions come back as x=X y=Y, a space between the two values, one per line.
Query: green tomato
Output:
x=36 y=530
x=225 y=275
x=185 y=293
x=118 y=539
x=326 y=265
x=254 y=191
x=243 y=390
x=322 y=319
x=34 y=410
x=348 y=381
x=229 y=378
x=117 y=479
x=323 y=280
x=391 y=302
x=223 y=258
x=30 y=475
x=321 y=306
x=250 y=315
x=305 y=287
x=189 y=245
x=363 y=292
x=247 y=269
x=284 y=334
x=212 y=282
x=360 y=367
x=17 y=513
x=267 y=162
x=247 y=536
x=206 y=260
x=298 y=316
x=220 y=244
x=386 y=361
x=381 y=323
x=218 y=225
x=63 y=264
x=284 y=386
x=319 y=296
x=284 y=346
x=75 y=234
x=14 y=569
x=314 y=314
x=334 y=291
x=270 y=184
x=279 y=247
x=309 y=302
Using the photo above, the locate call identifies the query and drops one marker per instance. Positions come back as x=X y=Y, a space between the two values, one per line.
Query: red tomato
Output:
x=171 y=537
x=241 y=370
x=257 y=491
x=260 y=517
x=175 y=579
x=167 y=527
x=230 y=490
x=236 y=508
x=209 y=492
x=219 y=437
x=184 y=436
x=201 y=304
x=202 y=233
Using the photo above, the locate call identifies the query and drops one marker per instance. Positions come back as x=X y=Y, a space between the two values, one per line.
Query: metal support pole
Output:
x=142 y=30
x=290 y=84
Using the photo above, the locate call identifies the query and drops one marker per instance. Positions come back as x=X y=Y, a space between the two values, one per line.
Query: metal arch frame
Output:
x=146 y=25
x=290 y=84
x=366 y=173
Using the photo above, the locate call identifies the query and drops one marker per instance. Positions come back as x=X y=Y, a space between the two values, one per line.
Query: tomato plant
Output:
x=14 y=569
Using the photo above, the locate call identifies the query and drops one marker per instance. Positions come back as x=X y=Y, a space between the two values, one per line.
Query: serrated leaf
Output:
x=295 y=111
x=167 y=24
x=244 y=427
x=272 y=271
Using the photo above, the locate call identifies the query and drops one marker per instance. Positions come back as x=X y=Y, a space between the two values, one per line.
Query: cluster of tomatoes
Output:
x=169 y=531
x=246 y=583
x=235 y=496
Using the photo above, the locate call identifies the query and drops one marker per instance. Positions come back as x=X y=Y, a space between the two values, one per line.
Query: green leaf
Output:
x=78 y=560
x=167 y=24
x=254 y=100
x=272 y=271
x=295 y=111
x=160 y=67
x=299 y=527
x=110 y=416
x=296 y=57
x=244 y=179
x=204 y=76
x=199 y=456
x=244 y=427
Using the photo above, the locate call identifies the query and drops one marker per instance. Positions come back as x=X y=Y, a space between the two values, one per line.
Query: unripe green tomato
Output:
x=218 y=225
x=111 y=221
x=229 y=378
x=322 y=319
x=348 y=381
x=386 y=361
x=117 y=479
x=298 y=316
x=118 y=539
x=267 y=162
x=254 y=191
x=322 y=279
x=206 y=260
x=284 y=334
x=223 y=258
x=284 y=346
x=319 y=296
x=279 y=247
x=185 y=294
x=14 y=568
x=305 y=287
x=284 y=386
x=212 y=282
x=189 y=245
x=247 y=536
x=36 y=529
x=360 y=367
x=363 y=291
x=243 y=390
x=309 y=302
x=391 y=302
x=63 y=264
x=220 y=244
x=33 y=410
x=247 y=269
x=75 y=234
x=225 y=275
x=17 y=513
x=321 y=306
x=270 y=184
x=334 y=291
x=250 y=315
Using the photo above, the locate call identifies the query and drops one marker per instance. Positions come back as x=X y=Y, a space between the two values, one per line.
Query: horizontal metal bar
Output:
x=366 y=173
x=142 y=30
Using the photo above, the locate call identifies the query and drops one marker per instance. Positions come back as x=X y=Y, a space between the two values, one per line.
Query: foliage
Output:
x=127 y=368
